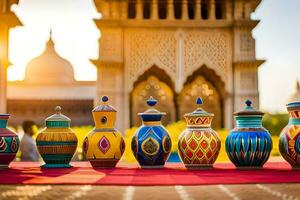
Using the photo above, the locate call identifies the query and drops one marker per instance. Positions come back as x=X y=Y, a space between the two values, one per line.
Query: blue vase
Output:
x=249 y=144
x=151 y=144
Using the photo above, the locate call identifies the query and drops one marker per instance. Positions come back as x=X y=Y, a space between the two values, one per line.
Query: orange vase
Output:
x=199 y=145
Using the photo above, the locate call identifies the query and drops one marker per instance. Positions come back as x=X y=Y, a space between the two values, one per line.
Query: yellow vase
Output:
x=104 y=145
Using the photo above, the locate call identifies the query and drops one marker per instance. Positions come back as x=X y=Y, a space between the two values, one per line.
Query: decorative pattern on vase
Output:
x=249 y=144
x=199 y=145
x=289 y=140
x=9 y=142
x=57 y=142
x=151 y=144
x=104 y=145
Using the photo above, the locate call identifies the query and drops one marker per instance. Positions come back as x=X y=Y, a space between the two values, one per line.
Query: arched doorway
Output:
x=206 y=84
x=154 y=82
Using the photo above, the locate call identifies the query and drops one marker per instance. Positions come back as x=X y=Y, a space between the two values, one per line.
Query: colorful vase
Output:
x=57 y=142
x=151 y=143
x=289 y=140
x=9 y=142
x=249 y=144
x=199 y=145
x=104 y=145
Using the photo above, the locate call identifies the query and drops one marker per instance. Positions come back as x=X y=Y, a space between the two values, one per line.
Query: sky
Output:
x=75 y=35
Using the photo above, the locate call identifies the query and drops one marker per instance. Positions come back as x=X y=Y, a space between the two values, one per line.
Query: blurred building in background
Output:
x=49 y=81
x=296 y=95
x=176 y=50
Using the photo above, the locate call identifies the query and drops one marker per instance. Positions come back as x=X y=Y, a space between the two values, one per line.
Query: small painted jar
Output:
x=199 y=145
x=289 y=140
x=104 y=145
x=57 y=142
x=151 y=144
x=249 y=144
x=9 y=142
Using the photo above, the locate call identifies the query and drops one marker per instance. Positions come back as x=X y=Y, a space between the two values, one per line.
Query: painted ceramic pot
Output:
x=151 y=144
x=57 y=142
x=104 y=145
x=249 y=144
x=199 y=145
x=289 y=140
x=9 y=142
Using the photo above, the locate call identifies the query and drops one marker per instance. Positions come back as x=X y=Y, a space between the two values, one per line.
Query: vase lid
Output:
x=248 y=110
x=104 y=107
x=199 y=111
x=293 y=106
x=151 y=114
x=58 y=119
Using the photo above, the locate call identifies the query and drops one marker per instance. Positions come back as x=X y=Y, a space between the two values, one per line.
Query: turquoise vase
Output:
x=9 y=142
x=151 y=145
x=249 y=144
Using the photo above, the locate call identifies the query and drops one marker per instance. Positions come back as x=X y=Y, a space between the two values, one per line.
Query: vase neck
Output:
x=249 y=121
x=151 y=123
x=3 y=123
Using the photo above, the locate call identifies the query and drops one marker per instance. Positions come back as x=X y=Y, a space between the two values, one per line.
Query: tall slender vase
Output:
x=249 y=144
x=9 y=142
x=289 y=140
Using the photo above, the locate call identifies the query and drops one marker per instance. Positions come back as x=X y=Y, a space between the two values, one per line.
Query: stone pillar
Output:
x=238 y=9
x=7 y=21
x=139 y=9
x=115 y=12
x=228 y=9
x=212 y=10
x=154 y=9
x=198 y=9
x=247 y=9
x=184 y=11
x=110 y=82
x=124 y=9
x=170 y=9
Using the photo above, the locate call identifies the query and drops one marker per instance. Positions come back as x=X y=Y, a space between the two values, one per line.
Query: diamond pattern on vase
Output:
x=204 y=144
x=193 y=144
x=183 y=144
x=150 y=147
x=167 y=144
x=85 y=145
x=104 y=145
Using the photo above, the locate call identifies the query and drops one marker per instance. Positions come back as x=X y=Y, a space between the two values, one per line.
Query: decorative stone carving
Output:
x=207 y=47
x=145 y=48
x=111 y=45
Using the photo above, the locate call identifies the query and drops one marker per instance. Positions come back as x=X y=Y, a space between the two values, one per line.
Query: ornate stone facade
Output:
x=178 y=44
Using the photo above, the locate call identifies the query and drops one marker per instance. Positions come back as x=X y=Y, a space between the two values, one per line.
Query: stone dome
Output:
x=296 y=95
x=49 y=68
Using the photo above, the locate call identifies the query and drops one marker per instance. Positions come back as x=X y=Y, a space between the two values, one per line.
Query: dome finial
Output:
x=104 y=99
x=151 y=101
x=298 y=85
x=58 y=110
x=248 y=102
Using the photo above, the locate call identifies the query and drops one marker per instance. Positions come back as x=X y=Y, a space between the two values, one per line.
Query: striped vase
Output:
x=57 y=142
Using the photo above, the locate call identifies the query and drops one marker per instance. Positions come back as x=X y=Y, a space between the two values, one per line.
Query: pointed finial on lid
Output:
x=248 y=102
x=58 y=110
x=151 y=101
x=298 y=85
x=199 y=101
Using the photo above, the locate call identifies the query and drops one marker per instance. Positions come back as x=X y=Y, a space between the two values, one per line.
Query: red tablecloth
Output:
x=131 y=174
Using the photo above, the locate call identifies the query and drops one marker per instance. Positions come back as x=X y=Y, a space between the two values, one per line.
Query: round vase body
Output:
x=57 y=142
x=199 y=145
x=289 y=140
x=249 y=144
x=9 y=143
x=104 y=145
x=151 y=144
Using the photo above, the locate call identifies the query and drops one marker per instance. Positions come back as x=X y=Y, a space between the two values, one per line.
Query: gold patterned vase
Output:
x=199 y=145
x=104 y=145
x=57 y=142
